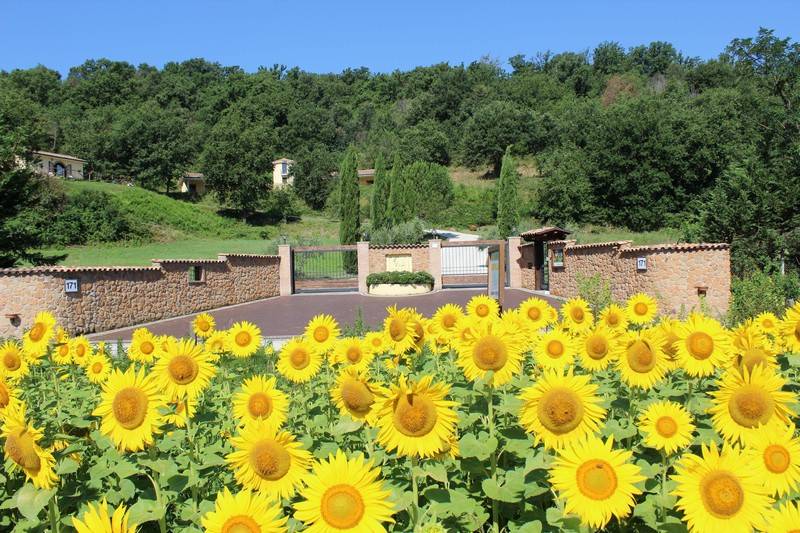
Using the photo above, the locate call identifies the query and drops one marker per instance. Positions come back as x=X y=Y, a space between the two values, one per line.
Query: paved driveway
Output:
x=286 y=316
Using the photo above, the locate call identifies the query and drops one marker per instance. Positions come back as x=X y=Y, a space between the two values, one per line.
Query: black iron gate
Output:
x=324 y=268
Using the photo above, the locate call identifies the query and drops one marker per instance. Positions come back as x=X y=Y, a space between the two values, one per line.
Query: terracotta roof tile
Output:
x=682 y=247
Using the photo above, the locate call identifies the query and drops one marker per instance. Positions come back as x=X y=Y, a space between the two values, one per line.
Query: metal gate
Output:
x=466 y=263
x=324 y=268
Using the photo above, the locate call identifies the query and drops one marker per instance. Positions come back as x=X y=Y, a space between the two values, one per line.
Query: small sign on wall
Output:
x=641 y=263
x=399 y=263
x=71 y=285
x=558 y=257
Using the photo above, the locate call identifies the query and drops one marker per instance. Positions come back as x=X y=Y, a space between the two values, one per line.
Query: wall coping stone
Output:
x=397 y=246
x=679 y=247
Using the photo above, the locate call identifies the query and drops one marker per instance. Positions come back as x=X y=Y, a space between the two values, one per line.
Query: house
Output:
x=282 y=173
x=61 y=165
x=193 y=183
x=366 y=176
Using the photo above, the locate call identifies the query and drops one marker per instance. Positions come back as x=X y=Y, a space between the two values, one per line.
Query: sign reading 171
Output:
x=70 y=285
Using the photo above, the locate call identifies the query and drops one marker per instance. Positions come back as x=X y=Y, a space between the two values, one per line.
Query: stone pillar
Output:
x=514 y=267
x=363 y=266
x=435 y=262
x=285 y=269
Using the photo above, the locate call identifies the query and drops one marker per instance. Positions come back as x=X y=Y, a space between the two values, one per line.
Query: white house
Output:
x=60 y=165
x=282 y=173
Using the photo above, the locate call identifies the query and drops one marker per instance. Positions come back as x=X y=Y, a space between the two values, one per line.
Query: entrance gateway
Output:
x=325 y=268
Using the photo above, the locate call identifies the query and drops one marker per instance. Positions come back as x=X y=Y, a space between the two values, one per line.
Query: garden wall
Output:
x=678 y=275
x=113 y=297
x=394 y=257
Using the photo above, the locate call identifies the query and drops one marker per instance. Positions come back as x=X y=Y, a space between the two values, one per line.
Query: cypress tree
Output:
x=349 y=208
x=396 y=210
x=380 y=195
x=507 y=197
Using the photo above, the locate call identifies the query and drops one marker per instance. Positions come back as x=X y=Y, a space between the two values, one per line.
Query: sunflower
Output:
x=376 y=342
x=416 y=419
x=744 y=400
x=438 y=341
x=399 y=329
x=36 y=339
x=13 y=364
x=22 y=448
x=244 y=512
x=641 y=360
x=560 y=409
x=554 y=349
x=129 y=407
x=419 y=323
x=483 y=306
x=614 y=318
x=596 y=481
x=666 y=426
x=299 y=361
x=244 y=339
x=352 y=351
x=784 y=519
x=321 y=332
x=81 y=350
x=97 y=519
x=268 y=461
x=596 y=347
x=354 y=395
x=203 y=325
x=61 y=354
x=9 y=395
x=767 y=322
x=446 y=318
x=702 y=346
x=498 y=347
x=260 y=401
x=776 y=453
x=720 y=491
x=751 y=348
x=668 y=327
x=577 y=314
x=184 y=371
x=790 y=328
x=344 y=495
x=218 y=343
x=536 y=313
x=641 y=308
x=98 y=368
x=180 y=411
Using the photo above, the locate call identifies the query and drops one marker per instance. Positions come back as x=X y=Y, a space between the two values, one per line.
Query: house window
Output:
x=558 y=257
x=284 y=168
x=196 y=274
x=702 y=292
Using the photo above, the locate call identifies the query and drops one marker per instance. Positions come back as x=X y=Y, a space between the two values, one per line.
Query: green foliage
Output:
x=470 y=206
x=508 y=197
x=759 y=292
x=594 y=289
x=312 y=176
x=400 y=278
x=349 y=196
x=401 y=194
x=379 y=203
x=410 y=232
x=427 y=189
x=493 y=128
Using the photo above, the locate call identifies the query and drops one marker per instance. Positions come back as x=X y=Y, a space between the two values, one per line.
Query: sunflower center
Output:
x=5 y=395
x=12 y=361
x=37 y=332
x=666 y=426
x=299 y=358
x=97 y=367
x=640 y=357
x=414 y=415
x=183 y=369
x=357 y=397
x=482 y=310
x=63 y=350
x=203 y=325
x=243 y=338
x=20 y=448
x=577 y=314
x=612 y=319
x=342 y=507
x=259 y=405
x=490 y=353
x=640 y=308
x=130 y=407
x=555 y=349
x=147 y=347
x=777 y=459
x=534 y=313
x=241 y=524
x=397 y=329
x=596 y=347
x=321 y=334
x=797 y=331
x=597 y=479
x=750 y=406
x=700 y=345
x=270 y=460
x=80 y=350
x=376 y=342
x=353 y=354
x=722 y=494
x=752 y=357
x=448 y=321
x=560 y=411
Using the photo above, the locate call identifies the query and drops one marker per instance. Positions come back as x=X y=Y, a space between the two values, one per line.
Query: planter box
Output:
x=393 y=289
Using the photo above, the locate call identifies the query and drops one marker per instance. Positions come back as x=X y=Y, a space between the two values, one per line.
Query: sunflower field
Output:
x=525 y=420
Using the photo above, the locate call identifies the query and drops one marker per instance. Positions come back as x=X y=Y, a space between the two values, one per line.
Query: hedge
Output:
x=400 y=278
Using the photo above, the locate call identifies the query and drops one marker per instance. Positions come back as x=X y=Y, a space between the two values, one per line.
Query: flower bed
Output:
x=399 y=283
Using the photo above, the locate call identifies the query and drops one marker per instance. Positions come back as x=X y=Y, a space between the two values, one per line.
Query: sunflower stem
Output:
x=490 y=414
x=155 y=480
x=415 y=495
x=665 y=467
x=55 y=526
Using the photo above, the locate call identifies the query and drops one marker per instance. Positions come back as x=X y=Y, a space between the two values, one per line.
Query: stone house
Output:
x=193 y=183
x=59 y=165
x=282 y=173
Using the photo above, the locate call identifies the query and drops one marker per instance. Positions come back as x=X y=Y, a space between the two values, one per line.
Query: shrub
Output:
x=594 y=289
x=400 y=278
x=470 y=205
x=411 y=232
x=759 y=292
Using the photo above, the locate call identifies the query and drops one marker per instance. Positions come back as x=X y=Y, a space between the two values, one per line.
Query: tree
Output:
x=428 y=190
x=312 y=173
x=609 y=58
x=401 y=195
x=349 y=198
x=508 y=197
x=491 y=129
x=380 y=195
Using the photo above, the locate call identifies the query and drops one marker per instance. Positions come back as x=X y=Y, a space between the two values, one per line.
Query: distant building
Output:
x=366 y=176
x=60 y=165
x=193 y=183
x=282 y=173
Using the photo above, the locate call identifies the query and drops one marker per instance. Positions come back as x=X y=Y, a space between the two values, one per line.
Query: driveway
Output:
x=286 y=316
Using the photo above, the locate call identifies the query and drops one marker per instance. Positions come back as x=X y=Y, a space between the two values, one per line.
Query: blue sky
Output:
x=382 y=35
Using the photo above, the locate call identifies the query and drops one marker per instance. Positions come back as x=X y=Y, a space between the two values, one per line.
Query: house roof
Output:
x=193 y=175
x=546 y=233
x=366 y=172
x=283 y=160
x=60 y=156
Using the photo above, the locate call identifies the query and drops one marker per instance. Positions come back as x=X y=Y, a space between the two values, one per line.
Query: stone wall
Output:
x=677 y=275
x=113 y=297
x=419 y=254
